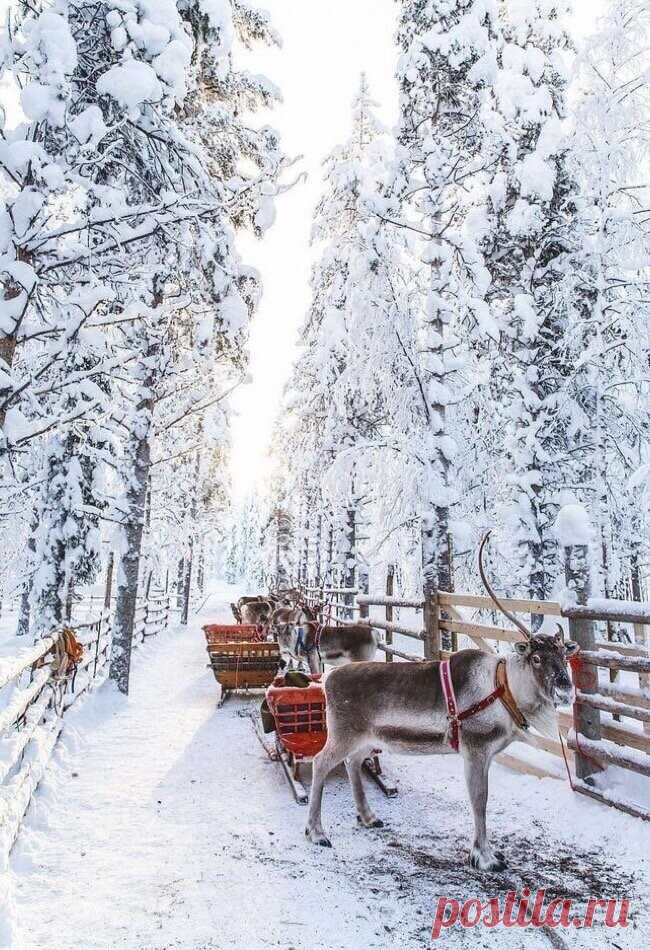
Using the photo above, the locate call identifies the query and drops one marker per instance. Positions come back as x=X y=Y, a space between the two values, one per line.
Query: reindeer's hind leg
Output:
x=365 y=814
x=331 y=755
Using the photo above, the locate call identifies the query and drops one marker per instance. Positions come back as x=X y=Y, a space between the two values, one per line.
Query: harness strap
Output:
x=501 y=691
x=507 y=698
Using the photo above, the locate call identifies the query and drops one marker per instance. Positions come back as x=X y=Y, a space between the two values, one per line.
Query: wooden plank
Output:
x=395 y=628
x=627 y=613
x=523 y=767
x=625 y=649
x=613 y=733
x=628 y=807
x=632 y=664
x=391 y=651
x=13 y=666
x=633 y=697
x=598 y=701
x=602 y=752
x=374 y=601
x=548 y=608
x=480 y=630
x=475 y=638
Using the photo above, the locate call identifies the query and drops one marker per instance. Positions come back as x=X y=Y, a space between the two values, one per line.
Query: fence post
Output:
x=364 y=588
x=390 y=587
x=644 y=678
x=586 y=720
x=431 y=627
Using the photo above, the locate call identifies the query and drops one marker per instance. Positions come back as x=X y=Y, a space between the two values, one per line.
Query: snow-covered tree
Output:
x=447 y=58
x=610 y=147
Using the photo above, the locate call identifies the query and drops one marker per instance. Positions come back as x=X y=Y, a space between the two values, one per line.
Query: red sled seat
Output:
x=299 y=714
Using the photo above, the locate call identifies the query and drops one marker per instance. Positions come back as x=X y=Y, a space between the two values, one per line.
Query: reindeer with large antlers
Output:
x=475 y=703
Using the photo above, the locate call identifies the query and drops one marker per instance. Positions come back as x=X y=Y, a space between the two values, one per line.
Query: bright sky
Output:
x=326 y=46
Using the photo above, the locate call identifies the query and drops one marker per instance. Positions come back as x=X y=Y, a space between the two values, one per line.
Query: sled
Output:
x=301 y=733
x=217 y=633
x=300 y=729
x=240 y=664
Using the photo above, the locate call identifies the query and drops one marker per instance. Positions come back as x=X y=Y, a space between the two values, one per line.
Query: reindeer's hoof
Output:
x=494 y=862
x=318 y=838
x=371 y=822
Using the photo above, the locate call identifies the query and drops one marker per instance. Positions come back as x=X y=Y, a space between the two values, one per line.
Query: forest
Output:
x=455 y=477
x=475 y=354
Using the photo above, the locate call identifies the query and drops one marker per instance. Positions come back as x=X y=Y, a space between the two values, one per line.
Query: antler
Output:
x=511 y=617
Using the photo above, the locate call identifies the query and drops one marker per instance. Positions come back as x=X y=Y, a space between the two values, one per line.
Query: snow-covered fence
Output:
x=598 y=744
x=35 y=691
x=152 y=616
x=339 y=601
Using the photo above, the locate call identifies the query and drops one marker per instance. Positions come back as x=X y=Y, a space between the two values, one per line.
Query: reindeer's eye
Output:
x=537 y=660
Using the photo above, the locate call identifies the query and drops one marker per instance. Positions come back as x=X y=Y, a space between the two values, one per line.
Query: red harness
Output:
x=455 y=718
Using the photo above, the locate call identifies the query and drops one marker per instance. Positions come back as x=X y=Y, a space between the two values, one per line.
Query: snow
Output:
x=163 y=824
x=130 y=84
x=89 y=126
x=573 y=526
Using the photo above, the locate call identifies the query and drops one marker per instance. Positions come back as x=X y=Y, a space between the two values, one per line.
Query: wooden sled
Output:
x=240 y=664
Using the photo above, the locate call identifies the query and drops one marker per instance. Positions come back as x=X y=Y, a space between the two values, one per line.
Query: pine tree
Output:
x=446 y=60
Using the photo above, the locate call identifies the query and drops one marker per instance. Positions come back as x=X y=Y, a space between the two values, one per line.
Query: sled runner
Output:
x=240 y=659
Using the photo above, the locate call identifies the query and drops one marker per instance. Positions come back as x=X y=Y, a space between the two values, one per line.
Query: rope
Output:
x=580 y=751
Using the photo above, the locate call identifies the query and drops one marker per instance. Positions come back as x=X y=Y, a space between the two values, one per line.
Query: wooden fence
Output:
x=35 y=692
x=609 y=723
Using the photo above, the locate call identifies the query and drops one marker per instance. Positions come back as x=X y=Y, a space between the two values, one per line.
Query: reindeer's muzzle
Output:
x=563 y=691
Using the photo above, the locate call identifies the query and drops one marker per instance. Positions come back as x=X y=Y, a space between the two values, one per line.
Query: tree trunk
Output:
x=129 y=573
x=108 y=589
x=9 y=341
x=180 y=574
x=187 y=584
x=25 y=612
x=434 y=520
x=349 y=572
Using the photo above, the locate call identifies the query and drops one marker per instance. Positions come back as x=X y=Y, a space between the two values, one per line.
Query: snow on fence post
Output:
x=573 y=530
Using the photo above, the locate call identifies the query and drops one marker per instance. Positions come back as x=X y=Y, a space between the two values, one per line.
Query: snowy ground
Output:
x=163 y=825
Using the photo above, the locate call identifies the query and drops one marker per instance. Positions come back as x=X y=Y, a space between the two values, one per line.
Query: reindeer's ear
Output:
x=571 y=648
x=522 y=647
x=559 y=636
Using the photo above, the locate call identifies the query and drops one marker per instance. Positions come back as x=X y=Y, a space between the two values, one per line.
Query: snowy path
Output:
x=163 y=825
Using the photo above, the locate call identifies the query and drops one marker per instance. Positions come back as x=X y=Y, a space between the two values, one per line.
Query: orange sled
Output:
x=239 y=661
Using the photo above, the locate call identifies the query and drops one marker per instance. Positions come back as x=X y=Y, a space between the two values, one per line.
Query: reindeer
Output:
x=301 y=637
x=253 y=610
x=476 y=703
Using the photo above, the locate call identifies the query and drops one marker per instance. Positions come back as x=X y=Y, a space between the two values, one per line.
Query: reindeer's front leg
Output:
x=315 y=665
x=477 y=766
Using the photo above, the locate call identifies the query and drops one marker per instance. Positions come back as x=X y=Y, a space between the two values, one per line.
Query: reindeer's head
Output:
x=313 y=611
x=546 y=656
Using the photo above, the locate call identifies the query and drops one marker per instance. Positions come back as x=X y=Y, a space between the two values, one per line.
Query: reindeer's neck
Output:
x=538 y=710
